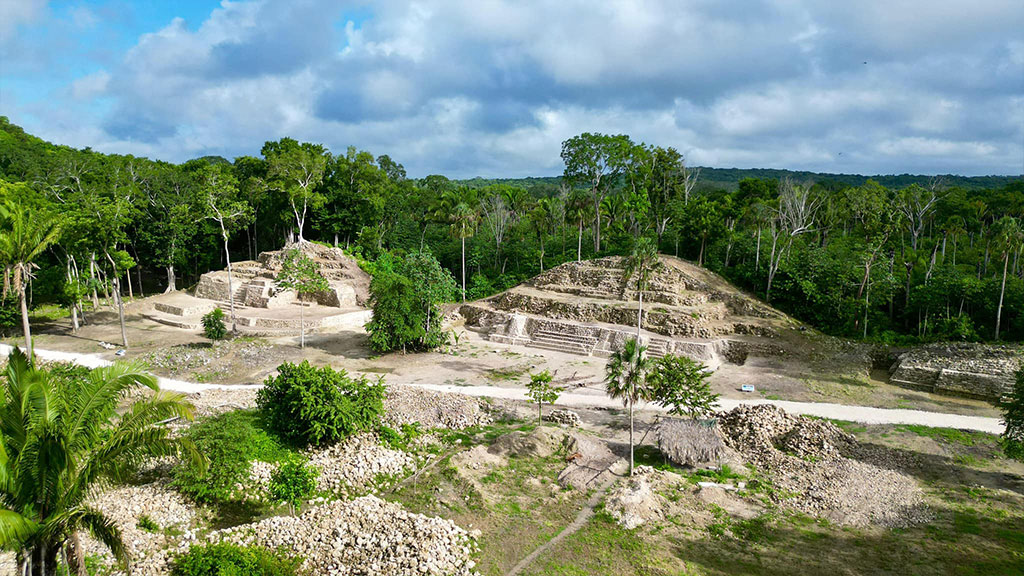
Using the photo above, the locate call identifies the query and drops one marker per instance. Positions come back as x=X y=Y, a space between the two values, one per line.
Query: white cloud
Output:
x=492 y=87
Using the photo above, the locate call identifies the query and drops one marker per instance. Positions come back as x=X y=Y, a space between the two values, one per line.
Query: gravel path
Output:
x=593 y=398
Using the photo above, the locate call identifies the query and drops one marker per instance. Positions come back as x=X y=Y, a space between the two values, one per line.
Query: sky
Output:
x=492 y=87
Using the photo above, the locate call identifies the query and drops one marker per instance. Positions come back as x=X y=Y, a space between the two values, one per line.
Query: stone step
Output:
x=562 y=337
x=560 y=347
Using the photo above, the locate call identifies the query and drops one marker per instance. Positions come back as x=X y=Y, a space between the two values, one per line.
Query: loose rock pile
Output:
x=125 y=506
x=364 y=536
x=805 y=458
x=354 y=465
x=564 y=418
x=408 y=405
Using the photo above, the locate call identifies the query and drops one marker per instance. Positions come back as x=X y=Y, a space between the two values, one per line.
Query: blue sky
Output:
x=492 y=87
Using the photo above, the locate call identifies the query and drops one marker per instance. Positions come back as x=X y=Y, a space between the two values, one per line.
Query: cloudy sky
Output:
x=492 y=87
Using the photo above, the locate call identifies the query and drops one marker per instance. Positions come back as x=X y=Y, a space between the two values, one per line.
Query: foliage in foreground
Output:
x=307 y=405
x=231 y=441
x=61 y=433
x=226 y=559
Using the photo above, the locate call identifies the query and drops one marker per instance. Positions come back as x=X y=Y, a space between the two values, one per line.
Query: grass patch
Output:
x=947 y=435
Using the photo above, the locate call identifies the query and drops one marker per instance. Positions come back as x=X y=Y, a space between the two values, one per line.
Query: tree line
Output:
x=933 y=259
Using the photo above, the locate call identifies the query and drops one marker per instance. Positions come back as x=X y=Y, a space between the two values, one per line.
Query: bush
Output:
x=293 y=482
x=213 y=325
x=231 y=560
x=399 y=440
x=231 y=441
x=307 y=405
x=1013 y=417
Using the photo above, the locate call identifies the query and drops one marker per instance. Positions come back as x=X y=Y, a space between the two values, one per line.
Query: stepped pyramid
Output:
x=590 y=308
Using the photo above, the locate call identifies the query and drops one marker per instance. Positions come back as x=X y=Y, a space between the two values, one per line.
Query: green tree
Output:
x=540 y=390
x=301 y=274
x=435 y=285
x=398 y=319
x=681 y=385
x=60 y=438
x=25 y=233
x=1013 y=419
x=459 y=208
x=641 y=265
x=1010 y=238
x=595 y=161
x=218 y=193
x=297 y=170
x=626 y=379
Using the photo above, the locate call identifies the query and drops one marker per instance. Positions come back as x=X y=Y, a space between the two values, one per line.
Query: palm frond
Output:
x=15 y=530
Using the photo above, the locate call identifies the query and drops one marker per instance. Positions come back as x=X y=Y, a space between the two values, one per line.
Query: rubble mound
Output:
x=961 y=369
x=145 y=543
x=364 y=536
x=805 y=458
x=538 y=443
x=633 y=502
x=563 y=418
x=409 y=405
x=589 y=462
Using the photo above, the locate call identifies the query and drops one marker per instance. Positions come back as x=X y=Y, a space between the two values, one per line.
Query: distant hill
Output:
x=728 y=178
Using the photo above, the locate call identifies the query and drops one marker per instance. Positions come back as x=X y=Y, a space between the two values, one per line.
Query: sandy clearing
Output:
x=593 y=398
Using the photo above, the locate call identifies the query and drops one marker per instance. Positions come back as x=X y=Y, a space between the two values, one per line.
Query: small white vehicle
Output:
x=747 y=388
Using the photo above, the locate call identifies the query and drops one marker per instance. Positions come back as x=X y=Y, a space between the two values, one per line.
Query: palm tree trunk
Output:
x=630 y=438
x=463 y=268
x=579 y=242
x=302 y=324
x=639 y=315
x=24 y=320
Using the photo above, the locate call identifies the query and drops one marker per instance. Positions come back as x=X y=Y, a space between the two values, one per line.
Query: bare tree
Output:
x=498 y=217
x=794 y=216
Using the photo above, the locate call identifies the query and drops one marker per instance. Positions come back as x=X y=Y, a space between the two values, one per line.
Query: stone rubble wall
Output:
x=971 y=370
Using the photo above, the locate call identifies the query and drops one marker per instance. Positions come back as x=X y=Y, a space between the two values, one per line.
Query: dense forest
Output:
x=894 y=259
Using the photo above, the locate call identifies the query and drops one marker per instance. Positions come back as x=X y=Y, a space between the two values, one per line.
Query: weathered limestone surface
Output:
x=255 y=287
x=590 y=308
x=972 y=370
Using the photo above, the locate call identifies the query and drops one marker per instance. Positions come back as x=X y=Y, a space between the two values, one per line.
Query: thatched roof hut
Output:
x=694 y=443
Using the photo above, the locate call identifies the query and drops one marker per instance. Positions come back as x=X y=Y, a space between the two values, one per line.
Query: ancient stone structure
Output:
x=590 y=308
x=972 y=370
x=253 y=281
x=262 y=307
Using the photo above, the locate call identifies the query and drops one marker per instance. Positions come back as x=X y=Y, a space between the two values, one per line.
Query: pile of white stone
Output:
x=564 y=418
x=172 y=521
x=409 y=405
x=807 y=459
x=364 y=536
x=353 y=465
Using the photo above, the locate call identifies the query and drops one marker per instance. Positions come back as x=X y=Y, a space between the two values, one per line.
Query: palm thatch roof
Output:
x=691 y=442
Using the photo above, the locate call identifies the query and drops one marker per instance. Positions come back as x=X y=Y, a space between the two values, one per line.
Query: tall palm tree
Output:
x=61 y=439
x=1009 y=236
x=25 y=233
x=641 y=264
x=626 y=379
x=459 y=208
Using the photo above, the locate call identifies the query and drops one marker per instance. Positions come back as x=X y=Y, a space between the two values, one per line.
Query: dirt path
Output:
x=595 y=398
x=581 y=519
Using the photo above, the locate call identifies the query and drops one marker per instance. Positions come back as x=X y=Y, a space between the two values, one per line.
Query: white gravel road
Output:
x=591 y=398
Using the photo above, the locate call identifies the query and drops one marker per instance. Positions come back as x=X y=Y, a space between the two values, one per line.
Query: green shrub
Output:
x=307 y=405
x=146 y=523
x=231 y=441
x=399 y=440
x=293 y=482
x=232 y=560
x=213 y=325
